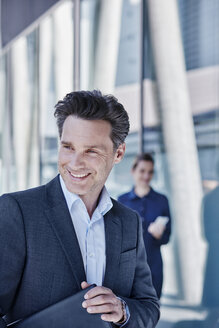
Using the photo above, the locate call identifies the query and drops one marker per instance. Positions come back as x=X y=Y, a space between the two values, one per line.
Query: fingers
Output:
x=99 y=300
x=104 y=308
x=99 y=290
x=84 y=285
x=102 y=300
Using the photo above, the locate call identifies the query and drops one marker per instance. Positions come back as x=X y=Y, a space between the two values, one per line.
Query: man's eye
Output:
x=66 y=147
x=91 y=151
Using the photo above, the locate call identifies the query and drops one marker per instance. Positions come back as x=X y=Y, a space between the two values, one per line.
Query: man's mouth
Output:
x=79 y=176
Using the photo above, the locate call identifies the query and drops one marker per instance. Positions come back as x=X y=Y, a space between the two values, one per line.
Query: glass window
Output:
x=30 y=90
x=110 y=62
x=2 y=112
x=199 y=23
x=55 y=80
x=187 y=151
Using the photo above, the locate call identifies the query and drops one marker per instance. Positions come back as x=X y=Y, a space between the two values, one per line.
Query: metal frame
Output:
x=141 y=71
x=76 y=74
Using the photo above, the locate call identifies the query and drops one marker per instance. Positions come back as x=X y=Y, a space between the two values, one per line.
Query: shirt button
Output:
x=91 y=254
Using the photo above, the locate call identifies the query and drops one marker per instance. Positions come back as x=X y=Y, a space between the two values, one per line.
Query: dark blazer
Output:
x=41 y=262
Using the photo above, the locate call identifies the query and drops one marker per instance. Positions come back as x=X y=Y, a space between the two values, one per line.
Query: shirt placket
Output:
x=91 y=256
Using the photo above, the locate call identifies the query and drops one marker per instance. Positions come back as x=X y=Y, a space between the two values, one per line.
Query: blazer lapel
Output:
x=61 y=222
x=113 y=247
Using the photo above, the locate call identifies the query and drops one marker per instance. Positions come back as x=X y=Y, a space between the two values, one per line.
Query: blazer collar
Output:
x=113 y=237
x=59 y=217
x=61 y=222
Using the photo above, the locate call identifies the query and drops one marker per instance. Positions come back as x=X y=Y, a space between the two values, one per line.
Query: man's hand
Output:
x=102 y=300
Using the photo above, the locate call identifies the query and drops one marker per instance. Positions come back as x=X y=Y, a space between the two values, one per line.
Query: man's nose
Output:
x=77 y=161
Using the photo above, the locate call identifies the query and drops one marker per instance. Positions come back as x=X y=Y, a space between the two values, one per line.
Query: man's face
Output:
x=86 y=156
x=143 y=173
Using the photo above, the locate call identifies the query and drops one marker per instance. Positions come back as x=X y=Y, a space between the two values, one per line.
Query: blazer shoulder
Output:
x=28 y=194
x=31 y=196
x=124 y=212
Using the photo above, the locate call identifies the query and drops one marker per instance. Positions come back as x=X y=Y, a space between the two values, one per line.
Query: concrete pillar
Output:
x=107 y=45
x=25 y=117
x=180 y=144
x=63 y=49
x=21 y=110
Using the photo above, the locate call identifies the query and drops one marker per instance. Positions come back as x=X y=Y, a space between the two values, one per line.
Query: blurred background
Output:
x=161 y=60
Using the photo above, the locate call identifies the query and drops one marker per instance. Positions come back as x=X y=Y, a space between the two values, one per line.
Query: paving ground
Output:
x=175 y=315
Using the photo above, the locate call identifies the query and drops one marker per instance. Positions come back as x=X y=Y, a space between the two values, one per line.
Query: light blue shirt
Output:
x=90 y=233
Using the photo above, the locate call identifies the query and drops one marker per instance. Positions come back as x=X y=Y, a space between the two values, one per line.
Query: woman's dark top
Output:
x=150 y=207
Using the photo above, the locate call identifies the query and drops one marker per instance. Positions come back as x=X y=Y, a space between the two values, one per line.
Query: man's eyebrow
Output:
x=101 y=146
x=63 y=142
x=96 y=146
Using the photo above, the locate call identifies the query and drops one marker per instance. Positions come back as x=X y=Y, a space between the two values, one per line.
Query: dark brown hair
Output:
x=92 y=105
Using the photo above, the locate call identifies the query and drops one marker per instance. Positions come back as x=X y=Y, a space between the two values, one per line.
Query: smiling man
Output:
x=86 y=157
x=59 y=238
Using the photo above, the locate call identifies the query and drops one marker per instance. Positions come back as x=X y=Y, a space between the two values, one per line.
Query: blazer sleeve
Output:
x=143 y=303
x=12 y=252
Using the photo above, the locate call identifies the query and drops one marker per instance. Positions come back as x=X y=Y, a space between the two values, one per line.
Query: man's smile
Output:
x=80 y=176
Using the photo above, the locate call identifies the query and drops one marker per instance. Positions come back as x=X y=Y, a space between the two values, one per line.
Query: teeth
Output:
x=79 y=175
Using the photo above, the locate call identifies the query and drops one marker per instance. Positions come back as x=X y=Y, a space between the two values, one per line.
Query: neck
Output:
x=142 y=191
x=90 y=203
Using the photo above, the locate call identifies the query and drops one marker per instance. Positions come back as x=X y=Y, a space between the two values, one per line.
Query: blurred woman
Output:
x=153 y=207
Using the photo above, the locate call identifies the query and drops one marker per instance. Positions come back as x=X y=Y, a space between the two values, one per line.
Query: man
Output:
x=44 y=258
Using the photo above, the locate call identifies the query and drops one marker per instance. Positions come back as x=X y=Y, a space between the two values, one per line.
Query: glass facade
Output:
x=199 y=23
x=37 y=70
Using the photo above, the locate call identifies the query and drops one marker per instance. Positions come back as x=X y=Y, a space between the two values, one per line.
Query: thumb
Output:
x=84 y=285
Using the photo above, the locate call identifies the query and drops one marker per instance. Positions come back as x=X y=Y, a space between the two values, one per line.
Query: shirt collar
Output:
x=132 y=194
x=104 y=204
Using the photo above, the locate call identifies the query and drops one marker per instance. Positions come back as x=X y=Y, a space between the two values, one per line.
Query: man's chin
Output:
x=77 y=191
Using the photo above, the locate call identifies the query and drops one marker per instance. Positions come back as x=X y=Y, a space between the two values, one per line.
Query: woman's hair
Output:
x=142 y=157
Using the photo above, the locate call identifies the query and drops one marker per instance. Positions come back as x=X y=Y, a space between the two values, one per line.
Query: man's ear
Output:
x=120 y=152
